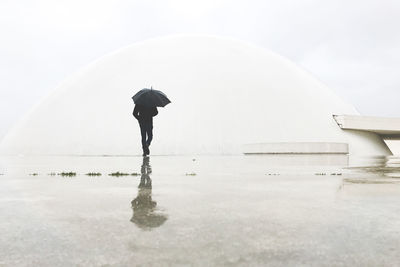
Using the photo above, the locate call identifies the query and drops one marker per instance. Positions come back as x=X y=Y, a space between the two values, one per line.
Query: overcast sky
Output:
x=353 y=46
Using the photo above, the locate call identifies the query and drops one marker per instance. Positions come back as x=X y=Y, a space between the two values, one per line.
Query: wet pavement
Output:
x=198 y=211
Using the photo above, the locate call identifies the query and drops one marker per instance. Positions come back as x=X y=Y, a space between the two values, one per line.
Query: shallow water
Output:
x=201 y=211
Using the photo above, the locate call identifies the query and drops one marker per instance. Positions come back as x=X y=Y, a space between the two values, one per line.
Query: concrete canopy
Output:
x=224 y=93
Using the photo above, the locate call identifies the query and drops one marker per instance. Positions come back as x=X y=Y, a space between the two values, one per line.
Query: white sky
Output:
x=353 y=46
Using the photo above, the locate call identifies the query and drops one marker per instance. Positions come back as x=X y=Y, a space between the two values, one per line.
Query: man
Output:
x=145 y=117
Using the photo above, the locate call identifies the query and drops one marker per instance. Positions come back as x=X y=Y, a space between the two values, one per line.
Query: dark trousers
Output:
x=146 y=130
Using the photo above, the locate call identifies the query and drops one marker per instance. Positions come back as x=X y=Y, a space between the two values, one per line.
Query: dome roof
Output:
x=224 y=93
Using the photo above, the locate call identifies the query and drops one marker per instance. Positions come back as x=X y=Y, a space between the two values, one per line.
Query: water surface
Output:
x=200 y=211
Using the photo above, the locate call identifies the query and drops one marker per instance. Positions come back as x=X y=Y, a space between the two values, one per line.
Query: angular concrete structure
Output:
x=224 y=93
x=385 y=127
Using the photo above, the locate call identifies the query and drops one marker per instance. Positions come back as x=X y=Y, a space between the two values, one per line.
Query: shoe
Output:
x=146 y=151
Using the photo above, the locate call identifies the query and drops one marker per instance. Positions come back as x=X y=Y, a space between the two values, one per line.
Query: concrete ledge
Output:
x=382 y=126
x=296 y=148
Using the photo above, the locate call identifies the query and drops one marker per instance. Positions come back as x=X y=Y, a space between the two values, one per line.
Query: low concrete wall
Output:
x=296 y=148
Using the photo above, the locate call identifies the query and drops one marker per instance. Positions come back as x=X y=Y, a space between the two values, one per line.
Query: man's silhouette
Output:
x=145 y=117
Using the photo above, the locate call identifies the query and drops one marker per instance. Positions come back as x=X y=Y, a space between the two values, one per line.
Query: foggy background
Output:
x=353 y=46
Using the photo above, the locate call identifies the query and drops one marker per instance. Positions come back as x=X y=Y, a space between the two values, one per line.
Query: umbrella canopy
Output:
x=150 y=98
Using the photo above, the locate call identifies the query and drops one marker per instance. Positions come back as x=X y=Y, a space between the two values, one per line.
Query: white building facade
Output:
x=228 y=97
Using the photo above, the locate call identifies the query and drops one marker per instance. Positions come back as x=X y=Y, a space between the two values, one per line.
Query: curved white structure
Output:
x=224 y=94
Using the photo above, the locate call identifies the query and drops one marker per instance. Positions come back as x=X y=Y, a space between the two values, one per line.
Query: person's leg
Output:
x=149 y=131
x=143 y=133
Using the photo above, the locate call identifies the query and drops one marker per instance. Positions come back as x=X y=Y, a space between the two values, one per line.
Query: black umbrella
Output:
x=150 y=98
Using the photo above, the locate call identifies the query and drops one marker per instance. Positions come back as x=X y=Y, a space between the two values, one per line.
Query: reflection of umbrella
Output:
x=150 y=98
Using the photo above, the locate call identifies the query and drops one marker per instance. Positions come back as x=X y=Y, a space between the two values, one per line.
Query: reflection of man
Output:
x=145 y=117
x=143 y=206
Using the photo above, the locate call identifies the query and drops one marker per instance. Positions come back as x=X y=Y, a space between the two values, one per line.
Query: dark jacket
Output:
x=142 y=113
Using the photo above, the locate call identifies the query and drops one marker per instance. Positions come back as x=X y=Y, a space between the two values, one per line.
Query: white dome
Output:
x=224 y=94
